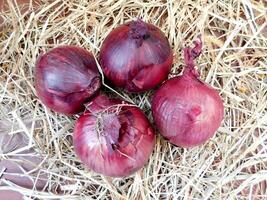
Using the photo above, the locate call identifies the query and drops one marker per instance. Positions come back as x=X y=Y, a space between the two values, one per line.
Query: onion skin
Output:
x=124 y=143
x=65 y=78
x=187 y=111
x=136 y=56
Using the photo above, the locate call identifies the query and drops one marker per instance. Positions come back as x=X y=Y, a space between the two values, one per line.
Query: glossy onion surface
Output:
x=136 y=56
x=113 y=138
x=187 y=111
x=65 y=78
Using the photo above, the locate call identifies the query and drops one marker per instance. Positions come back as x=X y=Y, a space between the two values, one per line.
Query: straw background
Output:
x=231 y=165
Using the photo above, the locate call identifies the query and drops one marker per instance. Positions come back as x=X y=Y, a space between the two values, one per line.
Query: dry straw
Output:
x=232 y=165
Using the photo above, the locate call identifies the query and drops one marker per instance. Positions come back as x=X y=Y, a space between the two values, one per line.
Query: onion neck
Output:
x=115 y=129
x=190 y=54
x=139 y=31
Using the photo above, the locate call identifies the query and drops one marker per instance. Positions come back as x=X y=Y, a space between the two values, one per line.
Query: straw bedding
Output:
x=232 y=165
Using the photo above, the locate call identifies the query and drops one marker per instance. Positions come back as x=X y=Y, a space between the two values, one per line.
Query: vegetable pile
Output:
x=113 y=137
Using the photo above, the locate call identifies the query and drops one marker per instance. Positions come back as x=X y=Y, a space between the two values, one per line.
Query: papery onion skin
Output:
x=187 y=111
x=122 y=147
x=65 y=78
x=136 y=56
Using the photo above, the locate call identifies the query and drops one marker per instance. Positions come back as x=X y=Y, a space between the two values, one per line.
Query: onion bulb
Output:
x=187 y=111
x=113 y=138
x=65 y=78
x=136 y=56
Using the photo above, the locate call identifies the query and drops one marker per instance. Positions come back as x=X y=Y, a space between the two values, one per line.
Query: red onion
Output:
x=186 y=110
x=65 y=78
x=136 y=56
x=113 y=138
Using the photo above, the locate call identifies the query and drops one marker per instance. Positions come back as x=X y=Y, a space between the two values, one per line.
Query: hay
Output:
x=232 y=165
